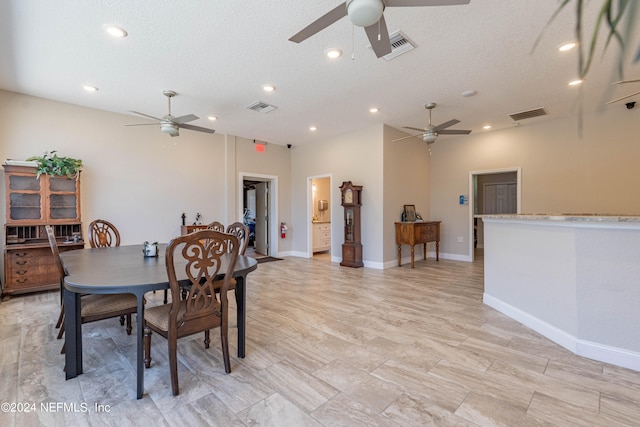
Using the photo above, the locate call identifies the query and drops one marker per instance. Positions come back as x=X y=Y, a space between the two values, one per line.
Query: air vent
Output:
x=261 y=107
x=400 y=44
x=536 y=112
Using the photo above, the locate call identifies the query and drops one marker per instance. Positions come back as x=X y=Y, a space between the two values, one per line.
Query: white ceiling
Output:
x=218 y=54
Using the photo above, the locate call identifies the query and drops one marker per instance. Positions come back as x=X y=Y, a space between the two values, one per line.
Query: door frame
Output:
x=309 y=215
x=273 y=203
x=472 y=200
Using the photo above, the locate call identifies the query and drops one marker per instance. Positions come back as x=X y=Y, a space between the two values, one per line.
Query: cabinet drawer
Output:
x=28 y=281
x=325 y=234
x=29 y=258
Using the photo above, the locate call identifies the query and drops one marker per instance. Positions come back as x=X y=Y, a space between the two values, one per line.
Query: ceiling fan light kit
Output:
x=363 y=13
x=171 y=125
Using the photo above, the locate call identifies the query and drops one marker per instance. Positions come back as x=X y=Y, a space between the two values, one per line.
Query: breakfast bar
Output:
x=574 y=278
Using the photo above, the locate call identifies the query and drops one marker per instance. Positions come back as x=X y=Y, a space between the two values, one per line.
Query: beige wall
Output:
x=406 y=182
x=561 y=172
x=355 y=157
x=137 y=177
x=322 y=192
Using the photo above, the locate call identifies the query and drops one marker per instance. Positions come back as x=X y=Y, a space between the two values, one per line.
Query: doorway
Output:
x=258 y=204
x=320 y=217
x=496 y=191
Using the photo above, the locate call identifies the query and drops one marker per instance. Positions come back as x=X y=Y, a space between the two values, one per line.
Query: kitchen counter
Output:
x=574 y=278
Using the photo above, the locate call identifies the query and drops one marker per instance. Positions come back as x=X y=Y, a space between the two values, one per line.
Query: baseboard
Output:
x=592 y=350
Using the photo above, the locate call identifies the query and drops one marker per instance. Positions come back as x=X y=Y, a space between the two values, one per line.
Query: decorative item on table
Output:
x=184 y=217
x=150 y=249
x=198 y=220
x=409 y=213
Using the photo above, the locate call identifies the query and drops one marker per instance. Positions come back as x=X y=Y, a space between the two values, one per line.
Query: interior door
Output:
x=262 y=218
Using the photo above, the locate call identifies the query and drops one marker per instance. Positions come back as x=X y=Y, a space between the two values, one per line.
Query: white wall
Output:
x=355 y=157
x=561 y=172
x=137 y=177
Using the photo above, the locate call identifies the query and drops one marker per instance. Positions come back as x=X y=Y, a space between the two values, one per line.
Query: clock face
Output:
x=348 y=196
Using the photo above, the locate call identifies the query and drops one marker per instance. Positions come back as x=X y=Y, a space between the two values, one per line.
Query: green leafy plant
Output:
x=52 y=164
x=618 y=16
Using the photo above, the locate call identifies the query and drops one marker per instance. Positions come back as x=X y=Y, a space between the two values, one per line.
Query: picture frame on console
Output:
x=410 y=213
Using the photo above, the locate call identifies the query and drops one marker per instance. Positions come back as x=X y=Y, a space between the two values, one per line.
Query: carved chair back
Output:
x=103 y=234
x=241 y=231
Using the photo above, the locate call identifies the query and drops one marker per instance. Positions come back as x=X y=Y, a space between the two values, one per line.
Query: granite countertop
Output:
x=577 y=217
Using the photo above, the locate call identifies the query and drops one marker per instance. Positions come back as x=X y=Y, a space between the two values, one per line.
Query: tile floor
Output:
x=326 y=346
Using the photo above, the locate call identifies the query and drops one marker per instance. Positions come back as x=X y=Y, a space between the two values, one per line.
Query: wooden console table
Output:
x=413 y=233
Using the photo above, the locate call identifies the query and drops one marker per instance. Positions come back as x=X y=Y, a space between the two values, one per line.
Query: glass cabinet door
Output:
x=25 y=199
x=63 y=201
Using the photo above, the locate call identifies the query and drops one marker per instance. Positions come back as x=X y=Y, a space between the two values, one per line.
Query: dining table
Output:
x=125 y=269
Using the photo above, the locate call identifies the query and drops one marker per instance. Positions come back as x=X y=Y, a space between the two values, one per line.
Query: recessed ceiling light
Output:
x=268 y=88
x=374 y=109
x=567 y=46
x=115 y=31
x=575 y=82
x=333 y=53
x=212 y=118
x=313 y=128
x=468 y=93
x=486 y=127
x=90 y=88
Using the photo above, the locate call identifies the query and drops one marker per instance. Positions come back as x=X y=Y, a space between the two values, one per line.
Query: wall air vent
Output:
x=536 y=112
x=261 y=107
x=400 y=44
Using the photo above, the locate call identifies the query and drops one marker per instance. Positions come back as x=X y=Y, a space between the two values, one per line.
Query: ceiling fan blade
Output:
x=410 y=3
x=446 y=125
x=185 y=119
x=624 y=97
x=196 y=128
x=407 y=137
x=321 y=23
x=145 y=115
x=409 y=127
x=143 y=124
x=454 y=132
x=625 y=81
x=378 y=35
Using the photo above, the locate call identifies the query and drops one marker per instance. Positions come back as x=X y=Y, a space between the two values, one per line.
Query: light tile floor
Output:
x=326 y=346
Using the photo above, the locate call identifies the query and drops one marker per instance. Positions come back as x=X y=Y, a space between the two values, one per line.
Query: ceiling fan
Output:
x=627 y=96
x=367 y=14
x=431 y=132
x=171 y=125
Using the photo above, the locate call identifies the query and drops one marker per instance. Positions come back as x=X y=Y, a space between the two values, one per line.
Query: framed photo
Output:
x=410 y=212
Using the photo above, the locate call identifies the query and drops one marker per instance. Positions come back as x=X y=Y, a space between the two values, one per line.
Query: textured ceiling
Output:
x=218 y=54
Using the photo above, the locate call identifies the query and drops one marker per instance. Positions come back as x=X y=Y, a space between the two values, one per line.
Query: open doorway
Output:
x=496 y=191
x=320 y=223
x=258 y=205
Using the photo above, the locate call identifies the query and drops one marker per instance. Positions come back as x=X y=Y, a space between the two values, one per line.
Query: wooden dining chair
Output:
x=241 y=231
x=94 y=307
x=202 y=309
x=216 y=226
x=103 y=234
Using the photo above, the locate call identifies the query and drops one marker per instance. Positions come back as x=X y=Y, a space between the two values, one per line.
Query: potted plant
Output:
x=52 y=164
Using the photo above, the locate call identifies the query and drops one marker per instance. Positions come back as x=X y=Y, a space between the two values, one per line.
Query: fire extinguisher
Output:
x=283 y=230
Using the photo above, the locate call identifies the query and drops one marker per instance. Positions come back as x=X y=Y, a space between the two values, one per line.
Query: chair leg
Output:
x=173 y=366
x=225 y=348
x=129 y=327
x=61 y=331
x=147 y=347
x=62 y=351
x=207 y=341
x=121 y=320
x=60 y=317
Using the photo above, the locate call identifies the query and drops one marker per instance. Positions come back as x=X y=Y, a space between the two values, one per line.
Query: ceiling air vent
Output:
x=400 y=44
x=261 y=107
x=536 y=112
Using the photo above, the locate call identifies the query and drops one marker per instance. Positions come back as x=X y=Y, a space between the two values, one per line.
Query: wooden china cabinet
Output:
x=31 y=204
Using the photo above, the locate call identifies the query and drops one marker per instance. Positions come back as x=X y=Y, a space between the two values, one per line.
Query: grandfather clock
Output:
x=352 y=246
